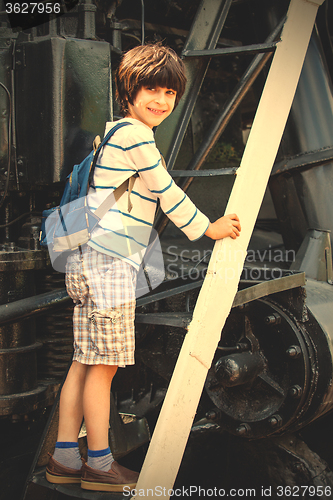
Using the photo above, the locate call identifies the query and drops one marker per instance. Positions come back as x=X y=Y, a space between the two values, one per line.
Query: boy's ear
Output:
x=128 y=99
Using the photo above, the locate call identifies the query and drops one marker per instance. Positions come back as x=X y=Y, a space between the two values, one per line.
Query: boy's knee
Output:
x=104 y=372
x=78 y=369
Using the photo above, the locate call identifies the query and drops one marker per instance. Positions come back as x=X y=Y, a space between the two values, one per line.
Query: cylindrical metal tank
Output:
x=19 y=389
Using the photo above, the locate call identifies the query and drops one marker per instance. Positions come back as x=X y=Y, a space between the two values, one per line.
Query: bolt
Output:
x=295 y=391
x=243 y=429
x=243 y=307
x=275 y=421
x=294 y=351
x=211 y=415
x=273 y=319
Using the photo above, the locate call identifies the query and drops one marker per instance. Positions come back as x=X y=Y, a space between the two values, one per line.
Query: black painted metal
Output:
x=20 y=390
x=229 y=51
x=260 y=401
x=170 y=292
x=203 y=173
x=74 y=100
x=320 y=327
x=222 y=120
x=7 y=45
x=304 y=160
x=251 y=291
x=204 y=34
x=301 y=186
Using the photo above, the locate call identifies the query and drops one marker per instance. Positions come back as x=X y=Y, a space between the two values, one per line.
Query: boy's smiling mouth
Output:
x=157 y=111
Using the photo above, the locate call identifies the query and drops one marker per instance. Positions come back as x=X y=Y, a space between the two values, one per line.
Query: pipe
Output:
x=32 y=306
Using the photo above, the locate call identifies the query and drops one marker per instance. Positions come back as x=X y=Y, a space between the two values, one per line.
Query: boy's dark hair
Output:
x=148 y=65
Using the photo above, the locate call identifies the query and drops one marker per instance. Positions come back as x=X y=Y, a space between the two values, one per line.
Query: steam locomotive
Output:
x=269 y=391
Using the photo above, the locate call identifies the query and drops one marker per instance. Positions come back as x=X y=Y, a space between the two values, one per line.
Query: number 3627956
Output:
x=33 y=7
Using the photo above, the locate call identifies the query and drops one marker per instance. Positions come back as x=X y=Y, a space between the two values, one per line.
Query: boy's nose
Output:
x=160 y=97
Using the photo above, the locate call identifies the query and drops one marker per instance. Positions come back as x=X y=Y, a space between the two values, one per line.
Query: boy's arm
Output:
x=174 y=202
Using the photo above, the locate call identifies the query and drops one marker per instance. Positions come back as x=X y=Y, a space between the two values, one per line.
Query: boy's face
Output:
x=152 y=105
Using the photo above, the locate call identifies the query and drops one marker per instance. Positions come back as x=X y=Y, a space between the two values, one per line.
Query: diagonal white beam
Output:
x=220 y=286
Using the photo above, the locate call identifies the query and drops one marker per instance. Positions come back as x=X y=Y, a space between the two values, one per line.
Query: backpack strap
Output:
x=115 y=195
x=98 y=144
x=120 y=190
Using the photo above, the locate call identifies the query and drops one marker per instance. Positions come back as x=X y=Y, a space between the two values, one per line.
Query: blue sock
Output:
x=100 y=459
x=68 y=454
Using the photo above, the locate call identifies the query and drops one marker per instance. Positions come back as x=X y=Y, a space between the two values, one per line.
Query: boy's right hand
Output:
x=228 y=225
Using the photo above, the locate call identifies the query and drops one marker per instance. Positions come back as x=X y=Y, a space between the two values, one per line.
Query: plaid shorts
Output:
x=103 y=290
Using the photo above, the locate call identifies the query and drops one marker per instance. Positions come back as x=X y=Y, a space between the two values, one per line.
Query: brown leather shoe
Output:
x=59 y=474
x=114 y=480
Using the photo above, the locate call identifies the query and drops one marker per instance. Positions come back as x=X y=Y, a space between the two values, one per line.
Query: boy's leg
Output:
x=65 y=464
x=96 y=404
x=96 y=409
x=101 y=472
x=71 y=403
x=86 y=390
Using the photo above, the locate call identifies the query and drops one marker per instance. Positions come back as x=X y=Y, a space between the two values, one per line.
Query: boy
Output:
x=101 y=277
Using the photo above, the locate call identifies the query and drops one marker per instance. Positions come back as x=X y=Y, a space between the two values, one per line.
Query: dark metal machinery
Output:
x=268 y=393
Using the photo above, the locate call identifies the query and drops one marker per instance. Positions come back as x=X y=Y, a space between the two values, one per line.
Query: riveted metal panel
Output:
x=64 y=85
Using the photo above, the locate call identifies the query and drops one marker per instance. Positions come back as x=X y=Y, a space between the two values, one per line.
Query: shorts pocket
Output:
x=108 y=336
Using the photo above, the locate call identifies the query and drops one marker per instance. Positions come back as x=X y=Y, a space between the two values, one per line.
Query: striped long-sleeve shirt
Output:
x=132 y=151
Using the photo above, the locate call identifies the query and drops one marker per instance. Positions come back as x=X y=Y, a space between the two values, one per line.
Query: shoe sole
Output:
x=90 y=485
x=61 y=479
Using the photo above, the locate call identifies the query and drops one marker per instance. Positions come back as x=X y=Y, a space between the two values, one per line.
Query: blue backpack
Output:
x=62 y=225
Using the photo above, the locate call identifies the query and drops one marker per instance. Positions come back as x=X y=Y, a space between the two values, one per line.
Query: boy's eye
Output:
x=153 y=89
